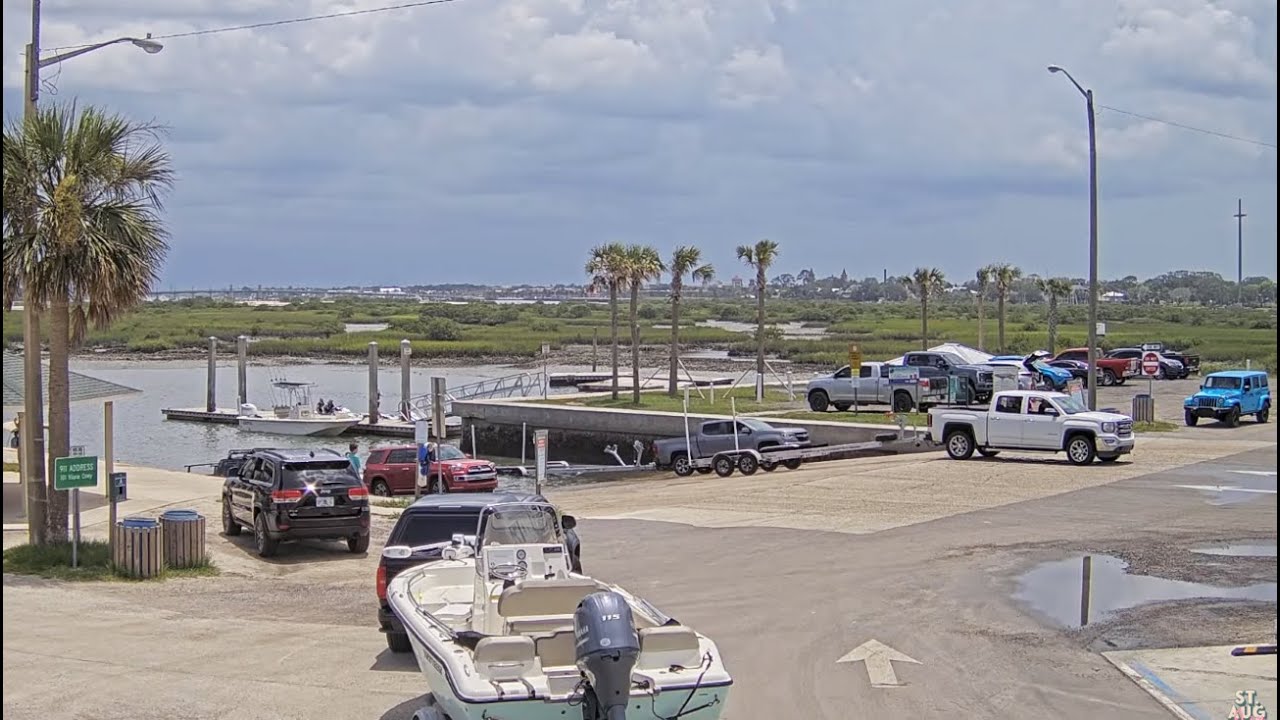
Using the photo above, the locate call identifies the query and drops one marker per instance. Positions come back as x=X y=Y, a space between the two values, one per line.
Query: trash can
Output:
x=1144 y=408
x=184 y=543
x=138 y=550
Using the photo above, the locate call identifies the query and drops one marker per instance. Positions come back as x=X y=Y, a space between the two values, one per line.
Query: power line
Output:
x=277 y=23
x=1192 y=128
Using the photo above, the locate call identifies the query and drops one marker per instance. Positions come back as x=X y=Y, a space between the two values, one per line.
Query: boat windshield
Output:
x=519 y=525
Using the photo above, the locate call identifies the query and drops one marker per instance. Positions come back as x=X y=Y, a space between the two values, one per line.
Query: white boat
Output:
x=513 y=634
x=292 y=414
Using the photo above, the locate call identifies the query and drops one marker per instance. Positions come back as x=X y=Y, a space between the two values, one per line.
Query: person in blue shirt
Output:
x=354 y=459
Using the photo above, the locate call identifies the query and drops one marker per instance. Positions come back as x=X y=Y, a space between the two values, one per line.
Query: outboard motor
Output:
x=606 y=647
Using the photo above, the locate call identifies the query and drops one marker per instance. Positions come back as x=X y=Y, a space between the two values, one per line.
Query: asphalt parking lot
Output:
x=789 y=572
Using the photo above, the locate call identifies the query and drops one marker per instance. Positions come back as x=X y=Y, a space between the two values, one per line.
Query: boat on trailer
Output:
x=292 y=414
x=501 y=628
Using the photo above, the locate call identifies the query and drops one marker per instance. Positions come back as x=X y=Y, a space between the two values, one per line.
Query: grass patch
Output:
x=1154 y=426
x=393 y=502
x=865 y=417
x=54 y=562
x=11 y=467
x=659 y=401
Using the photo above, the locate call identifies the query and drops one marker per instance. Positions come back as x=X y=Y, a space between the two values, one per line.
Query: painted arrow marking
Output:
x=1228 y=488
x=879 y=659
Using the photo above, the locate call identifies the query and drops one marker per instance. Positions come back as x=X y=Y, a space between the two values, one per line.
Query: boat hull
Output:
x=297 y=427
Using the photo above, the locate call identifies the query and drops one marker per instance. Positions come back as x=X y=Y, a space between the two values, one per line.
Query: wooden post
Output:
x=595 y=340
x=1086 y=587
x=406 y=351
x=211 y=384
x=439 y=394
x=242 y=371
x=109 y=451
x=373 y=383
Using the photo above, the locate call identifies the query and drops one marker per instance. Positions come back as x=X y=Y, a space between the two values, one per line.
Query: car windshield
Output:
x=319 y=472
x=755 y=424
x=1070 y=405
x=518 y=525
x=422 y=528
x=449 y=452
x=1222 y=383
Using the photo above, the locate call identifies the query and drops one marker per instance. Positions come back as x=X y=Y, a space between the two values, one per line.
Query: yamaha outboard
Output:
x=606 y=645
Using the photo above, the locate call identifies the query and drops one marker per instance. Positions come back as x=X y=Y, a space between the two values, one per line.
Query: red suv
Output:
x=394 y=470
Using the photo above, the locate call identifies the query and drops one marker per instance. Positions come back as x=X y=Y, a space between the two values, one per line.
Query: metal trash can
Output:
x=184 y=542
x=138 y=548
x=1144 y=408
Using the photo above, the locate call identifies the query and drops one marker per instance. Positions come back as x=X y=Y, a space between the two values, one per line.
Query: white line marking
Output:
x=1228 y=488
x=1264 y=473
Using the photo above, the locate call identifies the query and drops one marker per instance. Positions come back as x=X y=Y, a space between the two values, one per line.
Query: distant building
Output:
x=390 y=291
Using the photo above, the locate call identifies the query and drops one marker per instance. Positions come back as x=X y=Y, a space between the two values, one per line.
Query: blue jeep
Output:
x=1228 y=395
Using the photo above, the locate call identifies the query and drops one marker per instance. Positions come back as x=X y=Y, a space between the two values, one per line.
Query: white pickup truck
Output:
x=1032 y=420
x=874 y=386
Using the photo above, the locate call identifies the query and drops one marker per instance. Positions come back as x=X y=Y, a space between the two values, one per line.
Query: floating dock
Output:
x=624 y=383
x=383 y=428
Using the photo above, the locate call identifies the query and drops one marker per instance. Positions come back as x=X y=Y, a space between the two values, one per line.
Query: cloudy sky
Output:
x=498 y=140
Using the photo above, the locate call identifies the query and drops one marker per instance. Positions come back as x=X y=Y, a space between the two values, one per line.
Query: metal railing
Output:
x=520 y=385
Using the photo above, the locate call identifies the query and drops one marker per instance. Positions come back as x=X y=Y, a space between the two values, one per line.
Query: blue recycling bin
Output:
x=139 y=523
x=180 y=515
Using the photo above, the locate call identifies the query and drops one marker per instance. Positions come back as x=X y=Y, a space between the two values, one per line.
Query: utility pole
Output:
x=1240 y=216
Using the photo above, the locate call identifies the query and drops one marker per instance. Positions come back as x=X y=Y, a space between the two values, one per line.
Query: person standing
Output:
x=354 y=458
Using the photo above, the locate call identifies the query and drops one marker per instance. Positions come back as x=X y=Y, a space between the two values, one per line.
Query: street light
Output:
x=33 y=392
x=1093 y=239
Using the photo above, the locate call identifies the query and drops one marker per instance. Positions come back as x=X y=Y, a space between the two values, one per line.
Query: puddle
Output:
x=1239 y=550
x=1055 y=589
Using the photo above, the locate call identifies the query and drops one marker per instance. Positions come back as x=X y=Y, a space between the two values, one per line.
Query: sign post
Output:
x=72 y=473
x=540 y=458
x=855 y=369
x=419 y=438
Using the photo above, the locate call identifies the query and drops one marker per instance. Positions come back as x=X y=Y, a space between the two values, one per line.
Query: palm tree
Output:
x=1054 y=288
x=985 y=275
x=607 y=268
x=685 y=260
x=642 y=265
x=1005 y=276
x=925 y=282
x=760 y=256
x=84 y=238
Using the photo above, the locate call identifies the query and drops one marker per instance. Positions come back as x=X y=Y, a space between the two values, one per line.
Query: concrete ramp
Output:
x=1201 y=683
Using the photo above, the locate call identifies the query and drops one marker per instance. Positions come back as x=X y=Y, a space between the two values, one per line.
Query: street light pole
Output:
x=32 y=437
x=1093 y=237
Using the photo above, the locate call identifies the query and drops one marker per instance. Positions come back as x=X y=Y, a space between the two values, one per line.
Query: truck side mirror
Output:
x=568 y=522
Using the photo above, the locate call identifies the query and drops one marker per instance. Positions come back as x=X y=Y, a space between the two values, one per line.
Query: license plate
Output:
x=324 y=502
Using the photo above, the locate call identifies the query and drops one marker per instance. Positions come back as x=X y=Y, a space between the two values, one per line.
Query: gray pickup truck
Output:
x=978 y=378
x=714 y=436
x=873 y=386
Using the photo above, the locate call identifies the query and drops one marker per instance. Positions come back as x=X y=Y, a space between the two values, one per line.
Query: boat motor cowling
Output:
x=606 y=647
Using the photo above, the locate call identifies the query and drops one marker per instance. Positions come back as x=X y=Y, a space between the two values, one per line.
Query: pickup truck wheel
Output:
x=988 y=453
x=842 y=407
x=747 y=464
x=1233 y=417
x=724 y=466
x=818 y=401
x=1081 y=450
x=1190 y=418
x=681 y=465
x=902 y=401
x=767 y=466
x=792 y=464
x=959 y=444
x=1264 y=414
x=1108 y=377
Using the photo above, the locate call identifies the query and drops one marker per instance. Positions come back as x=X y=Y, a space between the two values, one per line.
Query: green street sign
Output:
x=75 y=472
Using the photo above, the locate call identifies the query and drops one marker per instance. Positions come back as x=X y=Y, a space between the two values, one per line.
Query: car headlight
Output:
x=1108 y=427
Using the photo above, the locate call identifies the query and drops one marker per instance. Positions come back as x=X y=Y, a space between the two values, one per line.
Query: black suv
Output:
x=428 y=526
x=291 y=494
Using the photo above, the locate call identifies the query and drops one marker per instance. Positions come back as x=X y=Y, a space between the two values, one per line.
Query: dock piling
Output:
x=211 y=385
x=439 y=394
x=406 y=407
x=373 y=383
x=242 y=371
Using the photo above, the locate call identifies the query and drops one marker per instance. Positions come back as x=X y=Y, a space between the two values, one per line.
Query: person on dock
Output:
x=15 y=439
x=354 y=458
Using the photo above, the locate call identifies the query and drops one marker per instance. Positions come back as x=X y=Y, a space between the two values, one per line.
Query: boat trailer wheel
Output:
x=724 y=465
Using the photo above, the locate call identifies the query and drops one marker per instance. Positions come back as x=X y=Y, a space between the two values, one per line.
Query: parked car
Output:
x=426 y=527
x=978 y=378
x=1079 y=370
x=1189 y=361
x=841 y=390
x=1170 y=369
x=289 y=494
x=393 y=470
x=1227 y=395
x=713 y=436
x=1111 y=371
x=1032 y=420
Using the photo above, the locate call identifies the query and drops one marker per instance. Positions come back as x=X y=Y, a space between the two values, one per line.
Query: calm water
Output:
x=144 y=437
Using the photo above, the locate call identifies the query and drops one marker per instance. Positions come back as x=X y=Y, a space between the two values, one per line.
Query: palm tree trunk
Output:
x=613 y=336
x=59 y=413
x=1000 y=319
x=924 y=322
x=673 y=377
x=635 y=343
x=33 y=426
x=759 y=329
x=981 y=308
x=1053 y=324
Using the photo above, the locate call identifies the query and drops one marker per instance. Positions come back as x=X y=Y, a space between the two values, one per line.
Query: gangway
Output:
x=519 y=385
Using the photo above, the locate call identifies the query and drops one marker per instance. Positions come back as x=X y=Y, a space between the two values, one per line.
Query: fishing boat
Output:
x=501 y=628
x=292 y=414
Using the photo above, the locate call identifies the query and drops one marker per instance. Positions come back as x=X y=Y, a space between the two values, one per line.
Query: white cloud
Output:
x=535 y=128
